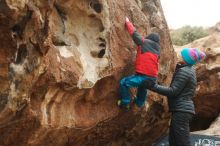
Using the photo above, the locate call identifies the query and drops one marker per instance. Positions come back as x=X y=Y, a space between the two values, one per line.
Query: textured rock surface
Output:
x=60 y=66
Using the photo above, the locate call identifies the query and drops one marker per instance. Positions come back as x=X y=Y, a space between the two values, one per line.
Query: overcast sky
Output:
x=191 y=12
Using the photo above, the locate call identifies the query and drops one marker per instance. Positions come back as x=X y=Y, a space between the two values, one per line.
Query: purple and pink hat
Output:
x=192 y=55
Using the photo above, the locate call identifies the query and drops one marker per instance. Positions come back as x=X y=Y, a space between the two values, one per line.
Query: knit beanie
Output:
x=192 y=55
x=154 y=37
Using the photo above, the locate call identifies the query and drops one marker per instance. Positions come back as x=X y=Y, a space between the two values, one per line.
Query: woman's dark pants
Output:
x=179 y=134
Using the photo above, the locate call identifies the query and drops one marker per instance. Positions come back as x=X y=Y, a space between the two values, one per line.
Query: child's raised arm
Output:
x=131 y=30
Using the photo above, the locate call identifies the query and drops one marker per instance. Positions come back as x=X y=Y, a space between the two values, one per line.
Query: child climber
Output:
x=146 y=66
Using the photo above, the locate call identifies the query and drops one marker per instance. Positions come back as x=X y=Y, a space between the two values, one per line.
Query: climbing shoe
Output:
x=124 y=107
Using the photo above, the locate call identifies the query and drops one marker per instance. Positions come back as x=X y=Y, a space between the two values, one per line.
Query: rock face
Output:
x=60 y=66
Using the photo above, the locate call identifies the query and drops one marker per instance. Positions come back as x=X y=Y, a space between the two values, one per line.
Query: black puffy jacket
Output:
x=181 y=90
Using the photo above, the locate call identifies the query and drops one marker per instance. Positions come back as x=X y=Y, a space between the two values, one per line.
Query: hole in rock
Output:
x=3 y=101
x=102 y=45
x=101 y=39
x=20 y=26
x=21 y=54
x=96 y=6
x=201 y=123
x=16 y=28
x=59 y=41
x=101 y=53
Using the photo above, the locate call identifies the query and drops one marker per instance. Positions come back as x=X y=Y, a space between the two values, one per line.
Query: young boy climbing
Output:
x=146 y=66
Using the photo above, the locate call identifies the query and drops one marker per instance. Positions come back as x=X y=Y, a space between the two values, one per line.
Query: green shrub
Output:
x=187 y=34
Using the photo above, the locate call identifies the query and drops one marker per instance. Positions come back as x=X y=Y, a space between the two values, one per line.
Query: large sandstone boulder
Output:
x=60 y=66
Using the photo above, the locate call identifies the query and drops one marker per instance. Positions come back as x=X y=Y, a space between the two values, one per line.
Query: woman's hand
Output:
x=148 y=84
